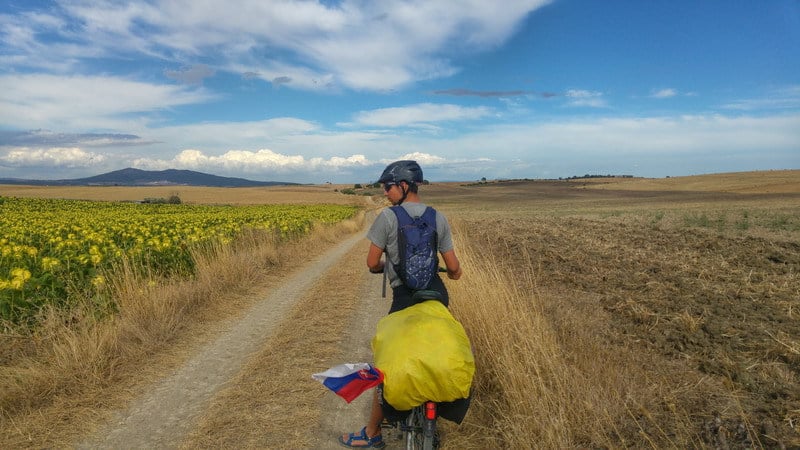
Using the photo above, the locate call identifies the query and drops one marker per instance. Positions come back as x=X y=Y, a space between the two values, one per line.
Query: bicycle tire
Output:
x=420 y=432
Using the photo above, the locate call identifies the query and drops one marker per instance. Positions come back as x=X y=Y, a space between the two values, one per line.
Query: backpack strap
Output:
x=404 y=218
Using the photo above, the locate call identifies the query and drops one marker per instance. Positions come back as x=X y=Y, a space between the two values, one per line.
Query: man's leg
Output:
x=375 y=416
x=373 y=428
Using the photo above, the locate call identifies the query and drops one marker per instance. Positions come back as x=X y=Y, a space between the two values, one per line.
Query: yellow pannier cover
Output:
x=424 y=354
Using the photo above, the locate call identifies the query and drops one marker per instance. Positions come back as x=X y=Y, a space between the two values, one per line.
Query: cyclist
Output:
x=400 y=181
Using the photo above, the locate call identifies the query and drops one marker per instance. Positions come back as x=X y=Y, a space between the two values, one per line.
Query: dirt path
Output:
x=337 y=416
x=168 y=412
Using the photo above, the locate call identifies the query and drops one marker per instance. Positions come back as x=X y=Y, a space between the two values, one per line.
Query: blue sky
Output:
x=317 y=91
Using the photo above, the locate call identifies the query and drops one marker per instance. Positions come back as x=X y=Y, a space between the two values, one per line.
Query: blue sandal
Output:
x=367 y=442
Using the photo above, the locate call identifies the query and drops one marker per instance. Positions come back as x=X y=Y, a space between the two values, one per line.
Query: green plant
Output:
x=696 y=220
x=744 y=222
x=779 y=222
x=659 y=215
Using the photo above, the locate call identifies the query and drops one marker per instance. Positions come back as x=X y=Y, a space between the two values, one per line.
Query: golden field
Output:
x=633 y=313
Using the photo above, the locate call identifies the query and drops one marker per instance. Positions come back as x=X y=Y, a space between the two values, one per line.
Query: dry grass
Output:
x=302 y=194
x=765 y=182
x=545 y=377
x=273 y=402
x=75 y=368
x=629 y=319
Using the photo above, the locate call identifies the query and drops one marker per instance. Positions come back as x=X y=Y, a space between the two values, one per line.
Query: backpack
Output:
x=417 y=243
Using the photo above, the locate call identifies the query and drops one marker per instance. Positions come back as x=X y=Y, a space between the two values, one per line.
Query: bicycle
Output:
x=418 y=430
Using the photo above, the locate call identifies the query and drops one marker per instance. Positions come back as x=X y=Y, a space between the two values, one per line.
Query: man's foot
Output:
x=361 y=440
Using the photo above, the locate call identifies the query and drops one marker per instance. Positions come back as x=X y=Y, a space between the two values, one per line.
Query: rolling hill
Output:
x=138 y=177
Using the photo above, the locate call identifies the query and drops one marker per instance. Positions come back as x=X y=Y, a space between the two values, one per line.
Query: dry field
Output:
x=605 y=313
x=771 y=182
x=300 y=194
x=687 y=291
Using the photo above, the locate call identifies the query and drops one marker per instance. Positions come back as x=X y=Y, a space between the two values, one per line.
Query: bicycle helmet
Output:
x=406 y=170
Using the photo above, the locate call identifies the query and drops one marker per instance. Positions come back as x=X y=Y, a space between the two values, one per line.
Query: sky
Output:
x=333 y=90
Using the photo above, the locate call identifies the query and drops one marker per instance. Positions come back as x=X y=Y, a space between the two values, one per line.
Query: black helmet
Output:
x=408 y=171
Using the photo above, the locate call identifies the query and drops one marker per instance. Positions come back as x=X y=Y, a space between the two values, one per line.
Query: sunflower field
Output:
x=51 y=249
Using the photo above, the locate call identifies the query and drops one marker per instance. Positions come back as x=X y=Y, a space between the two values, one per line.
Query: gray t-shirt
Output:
x=383 y=233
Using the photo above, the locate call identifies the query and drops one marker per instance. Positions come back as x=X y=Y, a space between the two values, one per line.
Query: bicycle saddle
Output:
x=426 y=294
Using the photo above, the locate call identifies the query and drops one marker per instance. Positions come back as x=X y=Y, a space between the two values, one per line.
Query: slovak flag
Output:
x=350 y=380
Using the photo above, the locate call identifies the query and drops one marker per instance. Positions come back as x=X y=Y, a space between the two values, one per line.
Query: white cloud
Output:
x=424 y=159
x=350 y=161
x=216 y=137
x=787 y=97
x=268 y=163
x=580 y=97
x=28 y=101
x=353 y=44
x=419 y=114
x=282 y=74
x=246 y=161
x=57 y=157
x=664 y=93
x=667 y=135
x=301 y=151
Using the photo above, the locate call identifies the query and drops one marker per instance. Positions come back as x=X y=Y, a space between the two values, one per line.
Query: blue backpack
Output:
x=417 y=243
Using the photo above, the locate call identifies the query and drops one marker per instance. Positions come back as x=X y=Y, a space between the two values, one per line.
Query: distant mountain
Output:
x=137 y=177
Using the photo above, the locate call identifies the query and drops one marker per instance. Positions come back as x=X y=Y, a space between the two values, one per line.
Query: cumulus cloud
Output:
x=563 y=148
x=69 y=157
x=247 y=161
x=271 y=162
x=424 y=159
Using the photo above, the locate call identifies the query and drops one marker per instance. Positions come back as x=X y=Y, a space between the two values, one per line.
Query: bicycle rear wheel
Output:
x=421 y=429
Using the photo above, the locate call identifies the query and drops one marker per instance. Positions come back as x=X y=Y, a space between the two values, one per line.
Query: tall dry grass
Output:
x=546 y=377
x=54 y=382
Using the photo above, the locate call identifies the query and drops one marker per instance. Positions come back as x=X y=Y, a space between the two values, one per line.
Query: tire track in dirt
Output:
x=162 y=417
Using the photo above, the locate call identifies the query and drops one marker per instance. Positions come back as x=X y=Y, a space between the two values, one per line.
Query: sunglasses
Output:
x=387 y=186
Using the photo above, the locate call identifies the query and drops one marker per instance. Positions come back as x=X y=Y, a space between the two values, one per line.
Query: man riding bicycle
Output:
x=401 y=181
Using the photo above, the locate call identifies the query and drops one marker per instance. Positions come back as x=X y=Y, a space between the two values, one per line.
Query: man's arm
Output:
x=374 y=261
x=452 y=264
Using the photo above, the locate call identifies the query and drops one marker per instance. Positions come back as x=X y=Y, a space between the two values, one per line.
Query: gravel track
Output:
x=167 y=412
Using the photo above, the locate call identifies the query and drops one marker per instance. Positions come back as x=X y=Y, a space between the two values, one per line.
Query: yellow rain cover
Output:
x=424 y=354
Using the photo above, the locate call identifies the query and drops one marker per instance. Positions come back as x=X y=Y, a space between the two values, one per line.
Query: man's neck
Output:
x=412 y=198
